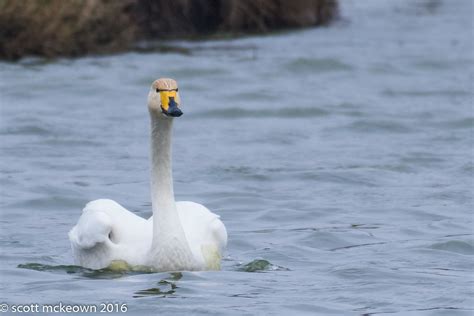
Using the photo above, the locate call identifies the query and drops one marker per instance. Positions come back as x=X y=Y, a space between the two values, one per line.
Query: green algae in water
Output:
x=256 y=265
x=111 y=272
x=259 y=265
x=51 y=268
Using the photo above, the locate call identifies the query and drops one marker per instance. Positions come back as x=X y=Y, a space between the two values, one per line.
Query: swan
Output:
x=179 y=236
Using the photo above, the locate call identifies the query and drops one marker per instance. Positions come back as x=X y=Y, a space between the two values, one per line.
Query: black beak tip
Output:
x=175 y=113
x=172 y=111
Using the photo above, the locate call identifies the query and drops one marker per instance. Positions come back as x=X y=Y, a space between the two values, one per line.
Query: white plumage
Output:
x=179 y=235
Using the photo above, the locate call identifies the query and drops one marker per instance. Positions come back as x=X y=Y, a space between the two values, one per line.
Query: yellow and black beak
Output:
x=169 y=103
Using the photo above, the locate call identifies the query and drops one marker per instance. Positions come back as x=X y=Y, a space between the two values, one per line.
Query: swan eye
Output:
x=176 y=90
x=158 y=90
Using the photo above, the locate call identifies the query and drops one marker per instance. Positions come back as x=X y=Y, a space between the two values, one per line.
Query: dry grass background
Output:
x=62 y=27
x=76 y=27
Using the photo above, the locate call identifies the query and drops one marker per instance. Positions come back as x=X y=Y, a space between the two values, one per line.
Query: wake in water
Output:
x=120 y=269
x=163 y=288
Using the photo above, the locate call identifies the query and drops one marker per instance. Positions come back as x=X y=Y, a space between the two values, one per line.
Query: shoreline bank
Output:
x=73 y=28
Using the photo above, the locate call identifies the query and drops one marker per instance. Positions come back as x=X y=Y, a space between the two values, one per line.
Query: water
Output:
x=340 y=158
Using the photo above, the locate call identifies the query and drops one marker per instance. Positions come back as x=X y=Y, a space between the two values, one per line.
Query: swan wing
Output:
x=106 y=231
x=205 y=233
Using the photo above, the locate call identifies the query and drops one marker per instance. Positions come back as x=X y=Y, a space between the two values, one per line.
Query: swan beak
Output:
x=169 y=106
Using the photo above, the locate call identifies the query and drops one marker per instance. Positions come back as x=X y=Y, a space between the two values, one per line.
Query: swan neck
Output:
x=162 y=194
x=169 y=249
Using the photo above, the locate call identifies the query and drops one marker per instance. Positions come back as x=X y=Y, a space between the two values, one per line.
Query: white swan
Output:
x=179 y=235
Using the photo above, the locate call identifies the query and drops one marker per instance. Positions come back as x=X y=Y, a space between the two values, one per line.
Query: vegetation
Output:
x=75 y=27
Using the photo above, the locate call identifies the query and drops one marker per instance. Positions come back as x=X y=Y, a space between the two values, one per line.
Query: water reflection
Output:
x=164 y=287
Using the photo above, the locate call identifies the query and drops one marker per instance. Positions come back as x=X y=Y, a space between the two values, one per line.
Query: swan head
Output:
x=164 y=98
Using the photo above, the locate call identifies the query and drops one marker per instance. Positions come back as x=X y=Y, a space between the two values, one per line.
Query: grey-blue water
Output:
x=341 y=155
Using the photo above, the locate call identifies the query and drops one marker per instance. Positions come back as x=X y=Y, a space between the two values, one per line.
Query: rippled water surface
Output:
x=342 y=156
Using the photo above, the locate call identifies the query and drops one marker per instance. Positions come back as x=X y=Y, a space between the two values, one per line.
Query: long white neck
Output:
x=170 y=250
x=162 y=195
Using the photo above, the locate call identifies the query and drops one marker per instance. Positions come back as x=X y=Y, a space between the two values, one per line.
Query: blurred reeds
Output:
x=76 y=27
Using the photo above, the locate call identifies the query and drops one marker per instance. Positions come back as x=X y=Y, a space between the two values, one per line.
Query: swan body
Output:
x=179 y=235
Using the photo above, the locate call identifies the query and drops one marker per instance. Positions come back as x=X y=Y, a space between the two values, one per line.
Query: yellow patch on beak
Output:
x=165 y=98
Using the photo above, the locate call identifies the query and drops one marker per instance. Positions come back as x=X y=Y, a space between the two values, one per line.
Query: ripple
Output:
x=63 y=142
x=254 y=96
x=370 y=126
x=237 y=113
x=345 y=178
x=194 y=72
x=421 y=159
x=425 y=93
x=48 y=203
x=28 y=130
x=315 y=65
x=467 y=122
x=432 y=64
x=456 y=246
